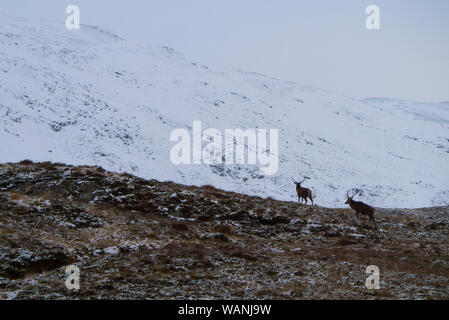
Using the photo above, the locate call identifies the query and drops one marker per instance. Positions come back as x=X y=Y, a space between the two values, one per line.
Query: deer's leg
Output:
x=311 y=200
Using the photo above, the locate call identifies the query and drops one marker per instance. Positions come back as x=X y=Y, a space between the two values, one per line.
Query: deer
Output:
x=360 y=207
x=303 y=193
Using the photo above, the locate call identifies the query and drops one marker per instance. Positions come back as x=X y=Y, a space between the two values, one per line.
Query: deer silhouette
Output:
x=360 y=207
x=303 y=193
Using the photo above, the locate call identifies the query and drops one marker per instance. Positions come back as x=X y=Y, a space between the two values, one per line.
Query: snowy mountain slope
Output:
x=91 y=97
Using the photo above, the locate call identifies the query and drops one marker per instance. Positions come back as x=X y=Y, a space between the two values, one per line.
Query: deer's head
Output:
x=349 y=197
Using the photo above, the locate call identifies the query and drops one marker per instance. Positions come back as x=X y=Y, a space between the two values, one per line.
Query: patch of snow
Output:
x=112 y=250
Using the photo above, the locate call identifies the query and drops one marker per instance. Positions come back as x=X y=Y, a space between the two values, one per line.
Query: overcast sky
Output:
x=318 y=42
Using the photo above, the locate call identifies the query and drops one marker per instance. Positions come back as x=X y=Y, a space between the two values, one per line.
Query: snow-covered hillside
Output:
x=91 y=97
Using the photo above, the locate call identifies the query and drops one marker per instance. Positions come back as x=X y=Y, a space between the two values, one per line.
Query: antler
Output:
x=297 y=181
x=356 y=191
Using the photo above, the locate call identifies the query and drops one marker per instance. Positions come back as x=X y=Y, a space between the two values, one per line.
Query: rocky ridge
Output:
x=144 y=239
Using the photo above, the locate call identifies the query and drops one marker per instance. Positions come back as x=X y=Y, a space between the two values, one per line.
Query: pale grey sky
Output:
x=322 y=42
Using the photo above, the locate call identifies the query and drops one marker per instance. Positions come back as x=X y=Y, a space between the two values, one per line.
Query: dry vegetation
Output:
x=133 y=238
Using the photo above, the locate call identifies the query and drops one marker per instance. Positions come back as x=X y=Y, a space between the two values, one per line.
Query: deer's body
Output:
x=360 y=207
x=303 y=193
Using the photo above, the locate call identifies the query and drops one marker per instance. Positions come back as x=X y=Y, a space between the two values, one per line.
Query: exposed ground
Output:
x=144 y=239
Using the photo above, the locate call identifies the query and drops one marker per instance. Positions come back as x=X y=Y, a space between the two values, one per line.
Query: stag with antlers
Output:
x=359 y=207
x=303 y=193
